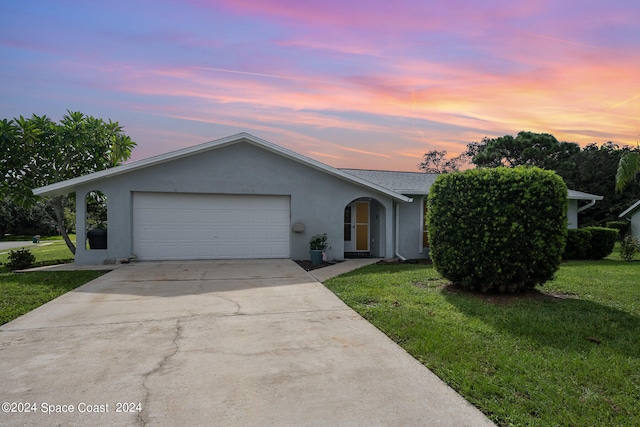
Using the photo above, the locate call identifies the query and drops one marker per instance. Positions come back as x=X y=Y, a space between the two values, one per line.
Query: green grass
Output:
x=22 y=292
x=51 y=251
x=566 y=356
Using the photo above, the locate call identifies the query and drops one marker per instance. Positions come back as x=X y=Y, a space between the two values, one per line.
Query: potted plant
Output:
x=317 y=246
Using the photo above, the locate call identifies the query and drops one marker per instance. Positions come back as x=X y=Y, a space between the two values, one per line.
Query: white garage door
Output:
x=207 y=226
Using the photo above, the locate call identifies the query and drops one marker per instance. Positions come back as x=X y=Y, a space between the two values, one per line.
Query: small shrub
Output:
x=578 y=243
x=628 y=248
x=318 y=242
x=20 y=259
x=623 y=227
x=602 y=242
x=498 y=229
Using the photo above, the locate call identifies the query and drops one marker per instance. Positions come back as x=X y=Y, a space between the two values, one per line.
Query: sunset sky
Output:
x=352 y=83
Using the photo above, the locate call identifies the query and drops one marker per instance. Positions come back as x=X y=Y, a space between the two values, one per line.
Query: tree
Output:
x=526 y=149
x=37 y=152
x=593 y=172
x=6 y=218
x=628 y=168
x=590 y=169
x=435 y=161
x=16 y=219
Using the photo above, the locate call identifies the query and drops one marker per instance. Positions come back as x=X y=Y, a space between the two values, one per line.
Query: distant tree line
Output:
x=591 y=169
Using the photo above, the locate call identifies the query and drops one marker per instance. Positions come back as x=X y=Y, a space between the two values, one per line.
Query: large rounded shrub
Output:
x=498 y=229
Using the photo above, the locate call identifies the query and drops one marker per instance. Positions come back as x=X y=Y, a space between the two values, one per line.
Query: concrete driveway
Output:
x=229 y=343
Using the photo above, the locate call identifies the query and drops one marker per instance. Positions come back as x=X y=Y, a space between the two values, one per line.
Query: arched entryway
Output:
x=363 y=230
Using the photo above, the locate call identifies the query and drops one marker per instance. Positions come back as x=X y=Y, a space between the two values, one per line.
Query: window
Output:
x=347 y=223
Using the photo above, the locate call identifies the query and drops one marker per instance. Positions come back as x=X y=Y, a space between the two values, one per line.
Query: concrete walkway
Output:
x=326 y=273
x=229 y=343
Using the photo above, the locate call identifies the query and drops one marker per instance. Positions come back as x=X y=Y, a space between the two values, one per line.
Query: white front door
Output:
x=356 y=227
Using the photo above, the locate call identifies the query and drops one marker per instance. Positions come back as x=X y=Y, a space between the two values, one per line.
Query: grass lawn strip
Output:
x=22 y=292
x=568 y=355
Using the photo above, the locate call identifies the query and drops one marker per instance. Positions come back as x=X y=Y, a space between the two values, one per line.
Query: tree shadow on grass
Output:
x=559 y=321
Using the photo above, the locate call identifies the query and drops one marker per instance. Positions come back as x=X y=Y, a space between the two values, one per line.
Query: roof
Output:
x=415 y=183
x=631 y=210
x=579 y=195
x=70 y=185
x=410 y=183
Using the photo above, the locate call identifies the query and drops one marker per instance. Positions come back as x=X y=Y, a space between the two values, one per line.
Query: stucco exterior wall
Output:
x=377 y=232
x=635 y=224
x=317 y=198
x=410 y=230
x=572 y=214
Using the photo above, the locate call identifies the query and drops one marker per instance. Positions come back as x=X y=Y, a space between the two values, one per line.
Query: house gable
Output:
x=196 y=152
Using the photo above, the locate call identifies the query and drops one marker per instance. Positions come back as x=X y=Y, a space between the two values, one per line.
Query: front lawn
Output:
x=52 y=250
x=22 y=292
x=568 y=355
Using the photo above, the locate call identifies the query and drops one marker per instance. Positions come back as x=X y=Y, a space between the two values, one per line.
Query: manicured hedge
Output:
x=590 y=243
x=578 y=244
x=498 y=229
x=602 y=242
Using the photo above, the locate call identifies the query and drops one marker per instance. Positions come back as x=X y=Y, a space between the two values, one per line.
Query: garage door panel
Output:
x=197 y=226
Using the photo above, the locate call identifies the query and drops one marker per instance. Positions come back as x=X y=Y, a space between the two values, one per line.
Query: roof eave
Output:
x=413 y=192
x=630 y=210
x=591 y=197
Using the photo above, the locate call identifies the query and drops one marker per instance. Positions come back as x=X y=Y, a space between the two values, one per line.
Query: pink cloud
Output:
x=571 y=86
x=383 y=16
x=492 y=103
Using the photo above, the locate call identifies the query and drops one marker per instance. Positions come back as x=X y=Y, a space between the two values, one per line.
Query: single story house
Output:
x=576 y=198
x=244 y=197
x=632 y=214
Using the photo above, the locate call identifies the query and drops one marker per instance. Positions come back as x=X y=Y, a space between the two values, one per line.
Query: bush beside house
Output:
x=590 y=243
x=498 y=229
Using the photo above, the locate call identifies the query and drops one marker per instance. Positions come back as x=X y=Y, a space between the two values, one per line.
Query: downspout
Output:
x=587 y=206
x=398 y=234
